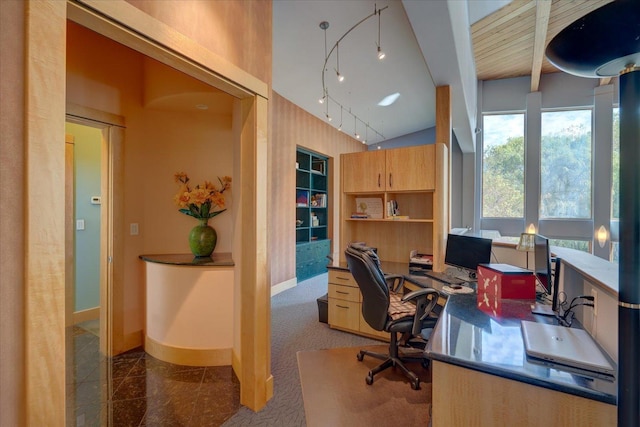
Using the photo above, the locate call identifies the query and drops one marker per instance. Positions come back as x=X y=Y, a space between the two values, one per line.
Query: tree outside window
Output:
x=565 y=164
x=503 y=166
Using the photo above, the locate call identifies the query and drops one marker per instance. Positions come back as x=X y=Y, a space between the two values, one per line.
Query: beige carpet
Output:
x=335 y=392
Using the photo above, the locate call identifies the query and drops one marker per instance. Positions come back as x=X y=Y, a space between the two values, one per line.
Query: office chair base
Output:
x=392 y=361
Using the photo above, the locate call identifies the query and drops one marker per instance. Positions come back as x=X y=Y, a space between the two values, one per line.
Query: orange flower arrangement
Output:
x=201 y=201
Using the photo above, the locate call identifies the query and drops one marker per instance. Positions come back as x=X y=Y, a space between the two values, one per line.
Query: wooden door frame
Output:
x=45 y=115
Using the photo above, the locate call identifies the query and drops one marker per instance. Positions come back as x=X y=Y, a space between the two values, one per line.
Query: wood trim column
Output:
x=45 y=213
x=443 y=136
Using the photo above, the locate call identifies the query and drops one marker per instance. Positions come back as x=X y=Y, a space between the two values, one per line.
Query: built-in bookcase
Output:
x=312 y=239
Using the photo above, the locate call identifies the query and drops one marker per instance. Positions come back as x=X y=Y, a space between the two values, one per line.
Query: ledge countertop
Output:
x=498 y=348
x=217 y=259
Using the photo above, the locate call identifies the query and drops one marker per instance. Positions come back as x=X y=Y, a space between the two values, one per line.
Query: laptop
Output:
x=560 y=345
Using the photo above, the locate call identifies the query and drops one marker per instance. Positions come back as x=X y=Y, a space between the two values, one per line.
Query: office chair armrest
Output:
x=425 y=299
x=394 y=281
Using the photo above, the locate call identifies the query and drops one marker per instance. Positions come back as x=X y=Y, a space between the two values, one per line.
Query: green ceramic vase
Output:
x=203 y=239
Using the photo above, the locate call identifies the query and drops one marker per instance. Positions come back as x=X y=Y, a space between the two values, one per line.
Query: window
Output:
x=580 y=245
x=503 y=166
x=565 y=164
x=615 y=167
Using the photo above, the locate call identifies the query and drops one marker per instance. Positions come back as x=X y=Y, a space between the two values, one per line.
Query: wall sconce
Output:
x=602 y=235
x=531 y=229
x=526 y=244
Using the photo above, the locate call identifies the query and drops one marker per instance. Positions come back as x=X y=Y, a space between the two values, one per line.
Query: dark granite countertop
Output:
x=217 y=259
x=497 y=347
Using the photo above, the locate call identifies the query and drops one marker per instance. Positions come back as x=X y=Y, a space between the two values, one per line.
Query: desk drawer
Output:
x=344 y=314
x=340 y=277
x=347 y=293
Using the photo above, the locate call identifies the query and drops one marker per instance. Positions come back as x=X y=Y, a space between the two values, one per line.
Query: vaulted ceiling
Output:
x=428 y=43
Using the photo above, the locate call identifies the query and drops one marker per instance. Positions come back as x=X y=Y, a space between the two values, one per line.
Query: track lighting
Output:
x=324 y=25
x=381 y=54
x=340 y=76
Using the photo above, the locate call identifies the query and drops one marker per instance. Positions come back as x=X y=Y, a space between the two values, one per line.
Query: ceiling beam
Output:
x=543 y=10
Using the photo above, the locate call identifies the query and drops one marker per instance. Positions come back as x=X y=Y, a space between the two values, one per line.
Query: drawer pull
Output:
x=341 y=292
x=342 y=278
x=342 y=306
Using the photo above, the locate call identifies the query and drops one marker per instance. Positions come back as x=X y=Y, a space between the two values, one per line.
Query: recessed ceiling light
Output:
x=389 y=99
x=202 y=106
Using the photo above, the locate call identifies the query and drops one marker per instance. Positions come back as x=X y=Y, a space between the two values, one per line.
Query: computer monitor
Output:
x=467 y=252
x=542 y=266
x=542 y=269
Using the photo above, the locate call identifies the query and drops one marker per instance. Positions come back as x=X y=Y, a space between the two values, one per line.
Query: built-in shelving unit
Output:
x=312 y=200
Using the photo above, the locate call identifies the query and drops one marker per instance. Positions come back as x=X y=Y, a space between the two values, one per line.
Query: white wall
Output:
x=87 y=174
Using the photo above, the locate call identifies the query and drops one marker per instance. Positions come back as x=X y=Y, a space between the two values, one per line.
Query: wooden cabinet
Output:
x=403 y=169
x=416 y=180
x=345 y=305
x=364 y=172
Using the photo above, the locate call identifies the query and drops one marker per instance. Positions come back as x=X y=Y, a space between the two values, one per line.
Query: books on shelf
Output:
x=319 y=200
x=359 y=215
x=302 y=198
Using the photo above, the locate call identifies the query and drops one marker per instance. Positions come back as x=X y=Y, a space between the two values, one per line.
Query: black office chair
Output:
x=385 y=308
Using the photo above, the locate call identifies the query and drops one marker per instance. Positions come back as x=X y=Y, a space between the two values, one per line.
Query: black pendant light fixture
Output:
x=603 y=43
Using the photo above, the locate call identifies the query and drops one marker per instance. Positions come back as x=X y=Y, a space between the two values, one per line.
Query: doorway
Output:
x=85 y=208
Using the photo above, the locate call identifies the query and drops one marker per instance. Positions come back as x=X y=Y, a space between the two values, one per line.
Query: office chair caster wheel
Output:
x=369 y=379
x=415 y=384
x=425 y=363
x=360 y=356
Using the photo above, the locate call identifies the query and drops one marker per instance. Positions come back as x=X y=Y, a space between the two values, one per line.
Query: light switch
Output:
x=133 y=229
x=79 y=224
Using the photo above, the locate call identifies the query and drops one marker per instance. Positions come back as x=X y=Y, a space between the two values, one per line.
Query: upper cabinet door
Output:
x=363 y=172
x=411 y=168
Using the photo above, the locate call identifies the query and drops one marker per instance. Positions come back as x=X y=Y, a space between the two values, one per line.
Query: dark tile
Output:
x=131 y=388
x=127 y=413
x=172 y=412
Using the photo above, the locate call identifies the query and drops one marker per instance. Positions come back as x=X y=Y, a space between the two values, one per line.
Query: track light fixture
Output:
x=340 y=76
x=324 y=25
x=381 y=54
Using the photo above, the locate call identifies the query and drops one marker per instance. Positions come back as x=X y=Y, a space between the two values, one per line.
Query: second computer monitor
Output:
x=467 y=251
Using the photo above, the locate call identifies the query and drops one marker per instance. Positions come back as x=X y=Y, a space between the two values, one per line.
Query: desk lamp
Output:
x=526 y=244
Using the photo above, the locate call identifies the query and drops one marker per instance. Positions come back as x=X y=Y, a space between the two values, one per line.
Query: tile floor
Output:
x=135 y=389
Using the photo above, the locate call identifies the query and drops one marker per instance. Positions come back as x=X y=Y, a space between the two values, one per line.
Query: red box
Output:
x=504 y=308
x=505 y=281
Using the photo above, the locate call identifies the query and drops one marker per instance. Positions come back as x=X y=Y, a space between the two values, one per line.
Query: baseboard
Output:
x=188 y=356
x=84 y=315
x=283 y=286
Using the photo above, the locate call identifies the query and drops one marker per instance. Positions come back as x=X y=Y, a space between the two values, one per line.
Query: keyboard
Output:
x=443 y=277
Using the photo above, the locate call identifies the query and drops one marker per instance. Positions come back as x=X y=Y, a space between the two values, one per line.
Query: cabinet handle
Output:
x=341 y=292
x=342 y=306
x=342 y=278
x=379 y=180
x=390 y=181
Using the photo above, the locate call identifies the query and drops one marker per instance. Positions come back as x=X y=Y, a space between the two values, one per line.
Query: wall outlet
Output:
x=133 y=229
x=79 y=224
